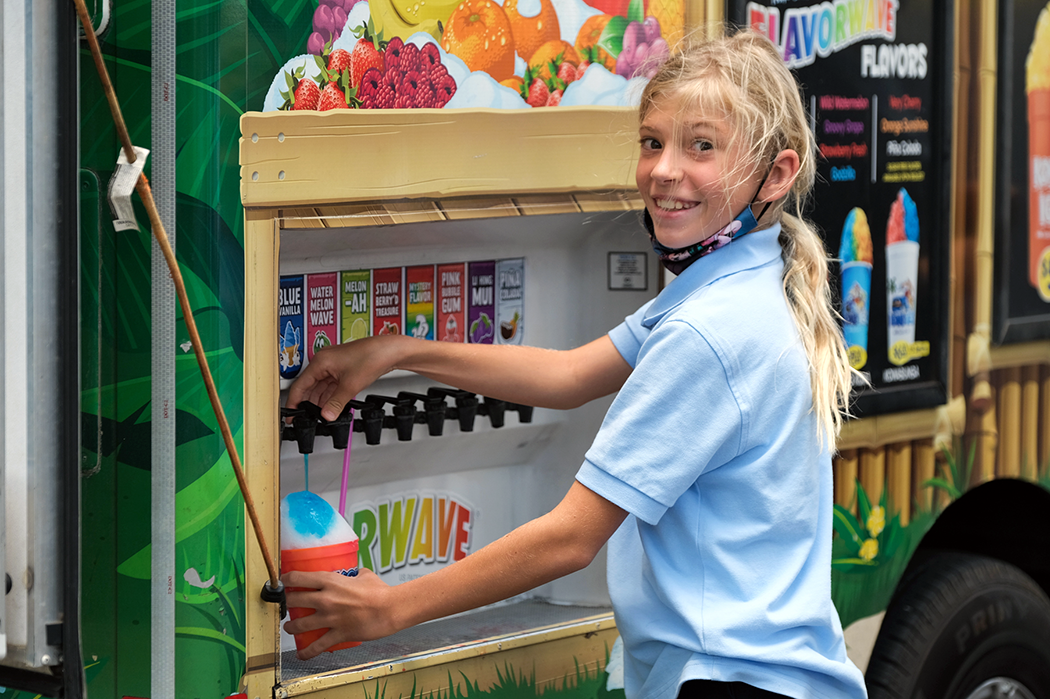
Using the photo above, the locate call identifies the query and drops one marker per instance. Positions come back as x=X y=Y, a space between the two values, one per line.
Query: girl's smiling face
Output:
x=692 y=174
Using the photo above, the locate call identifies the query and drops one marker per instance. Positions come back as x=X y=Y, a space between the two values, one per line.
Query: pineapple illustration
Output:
x=671 y=15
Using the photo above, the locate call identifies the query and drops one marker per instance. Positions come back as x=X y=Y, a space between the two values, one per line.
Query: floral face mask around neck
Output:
x=676 y=260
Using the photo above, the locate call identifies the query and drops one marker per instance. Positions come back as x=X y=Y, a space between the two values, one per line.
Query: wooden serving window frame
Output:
x=492 y=164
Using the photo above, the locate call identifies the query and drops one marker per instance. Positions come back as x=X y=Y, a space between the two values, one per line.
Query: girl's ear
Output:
x=782 y=174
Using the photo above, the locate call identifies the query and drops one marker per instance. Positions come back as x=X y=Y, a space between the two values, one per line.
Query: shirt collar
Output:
x=751 y=251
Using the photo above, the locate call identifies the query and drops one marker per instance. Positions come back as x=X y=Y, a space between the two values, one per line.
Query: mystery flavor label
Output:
x=290 y=330
x=451 y=302
x=510 y=301
x=353 y=304
x=481 y=309
x=388 y=300
x=419 y=310
x=321 y=328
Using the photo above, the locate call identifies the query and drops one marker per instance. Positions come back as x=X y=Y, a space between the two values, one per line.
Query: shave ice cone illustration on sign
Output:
x=1037 y=90
x=855 y=254
x=291 y=330
x=452 y=304
x=514 y=54
x=902 y=273
x=419 y=309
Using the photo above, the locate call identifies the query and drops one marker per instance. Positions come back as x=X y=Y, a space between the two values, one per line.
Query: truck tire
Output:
x=963 y=627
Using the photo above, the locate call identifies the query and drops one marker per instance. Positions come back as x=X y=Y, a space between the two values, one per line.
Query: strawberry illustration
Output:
x=302 y=93
x=338 y=61
x=364 y=56
x=538 y=93
x=332 y=98
x=307 y=95
x=554 y=99
x=567 y=72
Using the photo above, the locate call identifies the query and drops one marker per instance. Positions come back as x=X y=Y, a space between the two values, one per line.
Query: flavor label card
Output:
x=510 y=302
x=388 y=299
x=419 y=311
x=451 y=302
x=321 y=320
x=481 y=309
x=290 y=328
x=353 y=304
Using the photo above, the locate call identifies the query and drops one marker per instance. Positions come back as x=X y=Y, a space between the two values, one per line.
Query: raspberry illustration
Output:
x=410 y=58
x=409 y=85
x=392 y=55
x=404 y=102
x=370 y=83
x=444 y=88
x=426 y=98
x=430 y=57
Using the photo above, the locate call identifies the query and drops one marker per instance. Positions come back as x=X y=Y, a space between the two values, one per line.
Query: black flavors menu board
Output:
x=875 y=79
x=1021 y=306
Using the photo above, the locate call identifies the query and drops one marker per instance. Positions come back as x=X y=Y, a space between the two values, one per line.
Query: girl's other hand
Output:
x=352 y=609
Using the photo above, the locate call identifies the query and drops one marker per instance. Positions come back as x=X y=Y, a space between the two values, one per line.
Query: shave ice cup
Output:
x=855 y=255
x=314 y=537
x=1037 y=92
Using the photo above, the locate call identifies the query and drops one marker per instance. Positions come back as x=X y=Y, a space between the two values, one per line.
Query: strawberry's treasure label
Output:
x=387 y=301
x=510 y=301
x=321 y=320
x=419 y=311
x=481 y=310
x=290 y=329
x=353 y=304
x=451 y=302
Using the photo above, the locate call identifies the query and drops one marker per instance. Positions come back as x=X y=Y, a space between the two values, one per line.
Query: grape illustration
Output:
x=643 y=49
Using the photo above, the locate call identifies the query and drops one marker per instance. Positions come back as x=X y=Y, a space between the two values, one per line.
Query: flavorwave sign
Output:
x=413 y=529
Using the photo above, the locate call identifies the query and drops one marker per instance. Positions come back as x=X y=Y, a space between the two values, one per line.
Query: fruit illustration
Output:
x=332 y=97
x=402 y=19
x=302 y=93
x=364 y=56
x=338 y=61
x=669 y=14
x=479 y=32
x=533 y=31
x=548 y=58
x=587 y=42
x=507 y=329
x=358 y=329
x=555 y=99
x=538 y=93
x=389 y=329
x=642 y=49
x=409 y=77
x=481 y=329
x=328 y=21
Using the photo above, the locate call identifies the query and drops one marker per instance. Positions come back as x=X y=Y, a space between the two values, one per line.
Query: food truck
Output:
x=463 y=172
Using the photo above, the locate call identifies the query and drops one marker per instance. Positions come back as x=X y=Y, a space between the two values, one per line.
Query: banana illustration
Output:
x=403 y=18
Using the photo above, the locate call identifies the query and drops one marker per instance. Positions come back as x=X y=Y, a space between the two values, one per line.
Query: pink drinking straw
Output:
x=346 y=468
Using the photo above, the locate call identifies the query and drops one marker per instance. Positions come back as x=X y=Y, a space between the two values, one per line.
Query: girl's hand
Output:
x=352 y=609
x=339 y=372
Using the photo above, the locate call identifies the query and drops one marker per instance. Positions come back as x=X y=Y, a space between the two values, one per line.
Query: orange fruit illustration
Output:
x=514 y=82
x=556 y=52
x=532 y=32
x=479 y=33
x=587 y=40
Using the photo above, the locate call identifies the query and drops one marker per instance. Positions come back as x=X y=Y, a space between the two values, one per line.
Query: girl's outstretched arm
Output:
x=365 y=608
x=527 y=375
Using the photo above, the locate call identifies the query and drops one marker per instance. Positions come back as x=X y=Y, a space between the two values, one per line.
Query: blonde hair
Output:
x=743 y=77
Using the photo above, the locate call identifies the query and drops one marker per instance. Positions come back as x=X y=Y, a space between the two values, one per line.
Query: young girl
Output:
x=710 y=478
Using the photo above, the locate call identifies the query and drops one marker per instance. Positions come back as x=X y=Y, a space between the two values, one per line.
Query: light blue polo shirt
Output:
x=722 y=569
